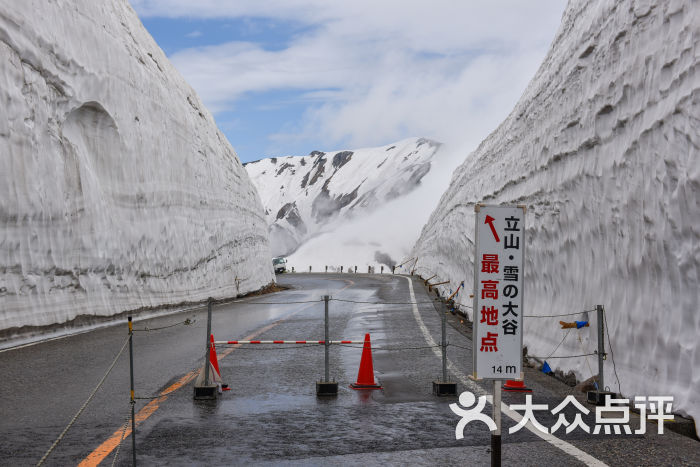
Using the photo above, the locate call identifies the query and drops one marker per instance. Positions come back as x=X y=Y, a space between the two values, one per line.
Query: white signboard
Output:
x=498 y=292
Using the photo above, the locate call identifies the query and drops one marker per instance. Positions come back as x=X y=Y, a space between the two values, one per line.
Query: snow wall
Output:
x=117 y=191
x=602 y=148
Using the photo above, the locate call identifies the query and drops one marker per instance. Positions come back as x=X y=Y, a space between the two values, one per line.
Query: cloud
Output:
x=193 y=34
x=463 y=107
x=374 y=72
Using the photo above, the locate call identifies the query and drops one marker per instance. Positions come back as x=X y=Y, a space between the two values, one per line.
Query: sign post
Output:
x=498 y=301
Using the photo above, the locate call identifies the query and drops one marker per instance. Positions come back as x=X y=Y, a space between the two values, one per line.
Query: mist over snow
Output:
x=603 y=149
x=359 y=207
x=382 y=237
x=117 y=190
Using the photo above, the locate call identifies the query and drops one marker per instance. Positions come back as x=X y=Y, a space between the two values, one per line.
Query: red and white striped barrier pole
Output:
x=321 y=342
x=325 y=387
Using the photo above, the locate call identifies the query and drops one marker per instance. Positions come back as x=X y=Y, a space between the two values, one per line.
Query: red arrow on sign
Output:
x=489 y=220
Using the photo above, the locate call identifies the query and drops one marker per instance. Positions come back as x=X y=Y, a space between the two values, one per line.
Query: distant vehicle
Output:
x=280 y=264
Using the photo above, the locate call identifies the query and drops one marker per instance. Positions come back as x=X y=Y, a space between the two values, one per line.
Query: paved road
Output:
x=271 y=415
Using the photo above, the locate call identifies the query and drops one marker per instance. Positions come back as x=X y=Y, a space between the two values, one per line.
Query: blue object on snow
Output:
x=546 y=369
x=580 y=324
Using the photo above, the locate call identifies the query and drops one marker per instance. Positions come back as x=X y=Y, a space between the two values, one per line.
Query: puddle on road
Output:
x=268 y=403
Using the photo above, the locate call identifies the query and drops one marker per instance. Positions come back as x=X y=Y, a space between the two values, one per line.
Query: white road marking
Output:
x=473 y=387
x=568 y=448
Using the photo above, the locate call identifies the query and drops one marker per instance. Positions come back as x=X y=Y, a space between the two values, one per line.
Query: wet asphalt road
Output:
x=272 y=415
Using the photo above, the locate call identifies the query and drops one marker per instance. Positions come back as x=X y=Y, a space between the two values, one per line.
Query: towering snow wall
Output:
x=603 y=149
x=117 y=191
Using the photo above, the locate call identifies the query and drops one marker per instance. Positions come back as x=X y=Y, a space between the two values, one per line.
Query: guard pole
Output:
x=207 y=354
x=444 y=387
x=133 y=401
x=325 y=387
x=601 y=347
x=598 y=396
x=496 y=437
x=444 y=344
x=326 y=342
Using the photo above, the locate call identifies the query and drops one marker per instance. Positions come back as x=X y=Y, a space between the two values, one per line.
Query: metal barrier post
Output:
x=203 y=389
x=207 y=354
x=133 y=401
x=326 y=387
x=601 y=347
x=444 y=346
x=444 y=387
x=496 y=437
x=326 y=341
x=598 y=396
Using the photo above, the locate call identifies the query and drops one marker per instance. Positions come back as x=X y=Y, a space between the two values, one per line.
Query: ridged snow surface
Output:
x=603 y=150
x=311 y=200
x=117 y=191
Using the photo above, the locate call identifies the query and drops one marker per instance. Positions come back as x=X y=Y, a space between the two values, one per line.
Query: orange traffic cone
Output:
x=214 y=361
x=515 y=386
x=365 y=377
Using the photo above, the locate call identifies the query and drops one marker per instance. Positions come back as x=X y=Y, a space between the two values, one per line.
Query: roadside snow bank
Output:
x=117 y=191
x=603 y=149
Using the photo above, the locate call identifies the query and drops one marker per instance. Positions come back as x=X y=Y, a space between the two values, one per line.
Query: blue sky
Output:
x=285 y=77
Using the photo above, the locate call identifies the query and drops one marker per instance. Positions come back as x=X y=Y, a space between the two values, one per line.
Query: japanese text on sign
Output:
x=498 y=291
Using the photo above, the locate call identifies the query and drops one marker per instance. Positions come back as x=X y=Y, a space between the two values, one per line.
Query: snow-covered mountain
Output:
x=603 y=148
x=307 y=196
x=117 y=191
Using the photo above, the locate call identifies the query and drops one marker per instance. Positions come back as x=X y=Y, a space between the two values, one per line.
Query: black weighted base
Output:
x=365 y=386
x=205 y=392
x=443 y=388
x=598 y=398
x=496 y=450
x=326 y=388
